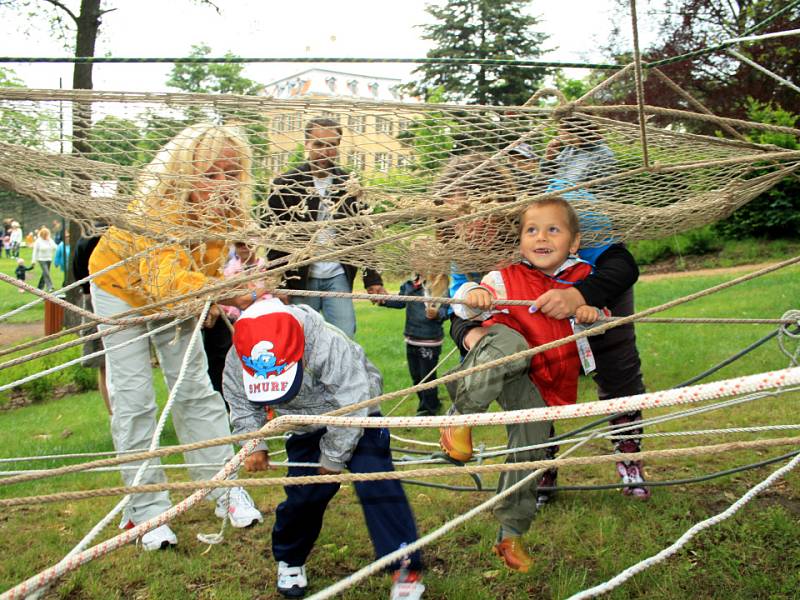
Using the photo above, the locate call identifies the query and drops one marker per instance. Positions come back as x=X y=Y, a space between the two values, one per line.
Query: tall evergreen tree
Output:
x=481 y=29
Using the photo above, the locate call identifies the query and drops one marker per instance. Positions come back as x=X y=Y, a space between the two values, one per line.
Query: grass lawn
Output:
x=580 y=540
x=11 y=298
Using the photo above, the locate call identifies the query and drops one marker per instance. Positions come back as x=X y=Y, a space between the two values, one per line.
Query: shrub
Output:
x=84 y=378
x=776 y=212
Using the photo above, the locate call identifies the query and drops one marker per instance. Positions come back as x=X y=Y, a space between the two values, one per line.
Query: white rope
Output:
x=385 y=561
x=40 y=299
x=80 y=359
x=763 y=36
x=95 y=454
x=154 y=441
x=764 y=70
x=281 y=464
x=52 y=573
x=729 y=387
x=694 y=530
x=698 y=432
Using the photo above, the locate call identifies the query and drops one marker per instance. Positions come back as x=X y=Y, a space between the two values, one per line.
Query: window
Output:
x=298 y=121
x=357 y=161
x=329 y=114
x=331 y=82
x=275 y=163
x=383 y=125
x=352 y=85
x=279 y=123
x=373 y=88
x=383 y=161
x=403 y=162
x=357 y=123
x=403 y=125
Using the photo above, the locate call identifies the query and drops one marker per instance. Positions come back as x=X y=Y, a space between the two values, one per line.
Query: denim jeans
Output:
x=339 y=312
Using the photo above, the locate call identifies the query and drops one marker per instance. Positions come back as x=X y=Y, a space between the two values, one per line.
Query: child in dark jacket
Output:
x=424 y=335
x=20 y=271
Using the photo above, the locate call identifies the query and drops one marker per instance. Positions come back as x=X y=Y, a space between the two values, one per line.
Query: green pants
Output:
x=513 y=389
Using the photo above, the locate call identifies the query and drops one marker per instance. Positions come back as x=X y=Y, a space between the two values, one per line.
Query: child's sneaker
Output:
x=407 y=585
x=292 y=581
x=632 y=474
x=238 y=506
x=160 y=538
x=549 y=479
x=456 y=442
x=632 y=471
x=512 y=551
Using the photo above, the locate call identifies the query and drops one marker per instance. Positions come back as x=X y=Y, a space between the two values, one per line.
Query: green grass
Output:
x=581 y=540
x=703 y=249
x=10 y=298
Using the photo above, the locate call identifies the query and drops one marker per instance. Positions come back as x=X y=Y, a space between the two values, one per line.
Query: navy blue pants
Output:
x=421 y=361
x=298 y=519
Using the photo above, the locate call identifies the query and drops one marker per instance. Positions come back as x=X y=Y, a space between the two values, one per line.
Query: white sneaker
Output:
x=159 y=538
x=407 y=585
x=237 y=504
x=292 y=581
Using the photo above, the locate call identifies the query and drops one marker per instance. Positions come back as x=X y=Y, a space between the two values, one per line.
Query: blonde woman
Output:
x=197 y=186
x=43 y=251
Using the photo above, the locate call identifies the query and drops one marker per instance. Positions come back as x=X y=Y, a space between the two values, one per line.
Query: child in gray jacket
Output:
x=287 y=358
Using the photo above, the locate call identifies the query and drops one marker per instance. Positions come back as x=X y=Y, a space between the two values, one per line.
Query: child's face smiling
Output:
x=545 y=239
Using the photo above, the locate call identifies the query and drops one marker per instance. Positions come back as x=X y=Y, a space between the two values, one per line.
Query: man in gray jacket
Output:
x=287 y=358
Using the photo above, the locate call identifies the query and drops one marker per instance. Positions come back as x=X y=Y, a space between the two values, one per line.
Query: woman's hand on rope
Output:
x=479 y=298
x=560 y=304
x=257 y=461
x=324 y=471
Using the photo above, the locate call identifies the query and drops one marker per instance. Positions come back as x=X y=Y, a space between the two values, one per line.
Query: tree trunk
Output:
x=87 y=25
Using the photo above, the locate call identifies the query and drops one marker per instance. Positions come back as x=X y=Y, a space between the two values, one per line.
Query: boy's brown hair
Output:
x=572 y=217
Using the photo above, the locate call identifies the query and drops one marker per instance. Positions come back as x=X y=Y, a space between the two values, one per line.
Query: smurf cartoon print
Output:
x=263 y=362
x=270 y=343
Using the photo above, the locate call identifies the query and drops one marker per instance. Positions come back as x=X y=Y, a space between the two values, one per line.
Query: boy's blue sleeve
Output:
x=404 y=291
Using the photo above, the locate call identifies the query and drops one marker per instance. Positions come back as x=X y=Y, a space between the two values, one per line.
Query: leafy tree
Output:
x=219 y=78
x=776 y=212
x=227 y=78
x=430 y=137
x=19 y=126
x=115 y=140
x=482 y=29
x=721 y=82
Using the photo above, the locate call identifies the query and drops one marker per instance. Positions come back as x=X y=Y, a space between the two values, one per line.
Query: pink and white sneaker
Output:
x=632 y=474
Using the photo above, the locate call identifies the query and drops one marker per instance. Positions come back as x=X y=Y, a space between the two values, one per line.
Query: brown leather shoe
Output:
x=456 y=442
x=513 y=553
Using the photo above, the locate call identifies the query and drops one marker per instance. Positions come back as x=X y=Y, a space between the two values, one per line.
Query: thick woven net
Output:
x=439 y=186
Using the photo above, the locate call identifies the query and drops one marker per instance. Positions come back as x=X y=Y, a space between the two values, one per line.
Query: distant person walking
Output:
x=43 y=251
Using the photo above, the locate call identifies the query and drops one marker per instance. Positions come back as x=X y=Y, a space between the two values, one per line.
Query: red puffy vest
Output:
x=555 y=372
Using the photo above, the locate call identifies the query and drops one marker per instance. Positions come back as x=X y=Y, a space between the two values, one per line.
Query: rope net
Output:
x=424 y=187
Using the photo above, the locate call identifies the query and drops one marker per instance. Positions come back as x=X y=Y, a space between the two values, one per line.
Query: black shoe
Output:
x=549 y=479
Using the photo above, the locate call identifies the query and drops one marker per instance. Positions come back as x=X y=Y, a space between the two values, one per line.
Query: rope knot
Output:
x=564 y=110
x=353 y=187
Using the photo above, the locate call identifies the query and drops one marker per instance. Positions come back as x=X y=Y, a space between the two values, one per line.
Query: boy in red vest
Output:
x=549 y=236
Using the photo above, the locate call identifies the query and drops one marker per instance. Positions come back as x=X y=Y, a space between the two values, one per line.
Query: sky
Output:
x=270 y=28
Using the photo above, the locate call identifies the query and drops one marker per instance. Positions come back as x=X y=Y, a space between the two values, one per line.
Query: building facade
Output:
x=373 y=111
